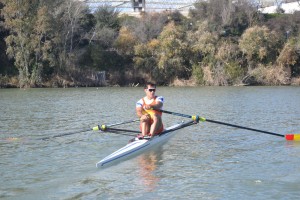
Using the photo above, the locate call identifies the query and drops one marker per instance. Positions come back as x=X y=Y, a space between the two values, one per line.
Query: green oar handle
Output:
x=104 y=127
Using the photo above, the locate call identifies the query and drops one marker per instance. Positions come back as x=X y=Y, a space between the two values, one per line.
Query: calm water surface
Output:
x=205 y=161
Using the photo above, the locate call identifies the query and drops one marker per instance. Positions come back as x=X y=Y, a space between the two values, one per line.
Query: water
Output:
x=205 y=161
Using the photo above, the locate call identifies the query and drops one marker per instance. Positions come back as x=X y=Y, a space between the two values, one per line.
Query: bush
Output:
x=271 y=75
x=259 y=44
x=198 y=74
x=235 y=72
x=295 y=81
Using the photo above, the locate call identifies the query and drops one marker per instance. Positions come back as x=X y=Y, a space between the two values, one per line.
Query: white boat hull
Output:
x=138 y=146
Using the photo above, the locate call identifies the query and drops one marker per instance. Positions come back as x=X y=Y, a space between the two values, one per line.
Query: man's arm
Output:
x=140 y=115
x=157 y=106
x=139 y=112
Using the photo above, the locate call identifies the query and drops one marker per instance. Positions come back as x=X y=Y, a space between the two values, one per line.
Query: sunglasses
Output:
x=151 y=90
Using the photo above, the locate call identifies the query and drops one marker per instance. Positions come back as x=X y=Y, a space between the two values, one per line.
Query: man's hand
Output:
x=147 y=107
x=145 y=118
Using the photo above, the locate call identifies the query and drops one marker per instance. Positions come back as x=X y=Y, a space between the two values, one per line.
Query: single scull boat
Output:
x=137 y=146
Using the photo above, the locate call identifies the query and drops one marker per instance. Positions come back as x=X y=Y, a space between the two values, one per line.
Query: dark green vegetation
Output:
x=60 y=43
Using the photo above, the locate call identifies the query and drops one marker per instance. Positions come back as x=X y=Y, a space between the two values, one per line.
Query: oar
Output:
x=108 y=128
x=105 y=128
x=101 y=128
x=125 y=122
x=295 y=137
x=65 y=134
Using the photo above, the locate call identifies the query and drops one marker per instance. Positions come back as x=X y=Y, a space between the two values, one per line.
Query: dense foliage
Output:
x=61 y=43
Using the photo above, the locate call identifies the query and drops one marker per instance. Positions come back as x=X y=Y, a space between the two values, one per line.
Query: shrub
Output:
x=259 y=44
x=235 y=72
x=271 y=75
x=198 y=74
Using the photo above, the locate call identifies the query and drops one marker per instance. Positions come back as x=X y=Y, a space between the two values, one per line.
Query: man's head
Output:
x=150 y=89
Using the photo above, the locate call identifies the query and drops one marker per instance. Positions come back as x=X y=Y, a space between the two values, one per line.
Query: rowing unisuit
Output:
x=145 y=101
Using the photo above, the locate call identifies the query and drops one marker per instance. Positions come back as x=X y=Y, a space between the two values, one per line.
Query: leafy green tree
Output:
x=202 y=41
x=103 y=36
x=172 y=53
x=19 y=15
x=145 y=60
x=43 y=35
x=125 y=42
x=6 y=66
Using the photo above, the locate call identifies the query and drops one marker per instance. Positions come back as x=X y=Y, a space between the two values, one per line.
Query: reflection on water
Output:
x=148 y=163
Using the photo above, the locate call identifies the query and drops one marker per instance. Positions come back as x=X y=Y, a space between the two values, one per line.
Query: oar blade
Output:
x=294 y=137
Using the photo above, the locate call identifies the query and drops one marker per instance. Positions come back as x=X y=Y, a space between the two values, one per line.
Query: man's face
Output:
x=150 y=91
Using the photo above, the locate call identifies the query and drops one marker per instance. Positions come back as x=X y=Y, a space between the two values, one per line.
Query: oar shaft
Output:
x=65 y=134
x=177 y=114
x=104 y=127
x=222 y=123
x=183 y=125
x=108 y=129
x=243 y=127
x=125 y=122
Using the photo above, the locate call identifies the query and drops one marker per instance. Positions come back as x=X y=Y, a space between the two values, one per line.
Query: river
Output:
x=203 y=161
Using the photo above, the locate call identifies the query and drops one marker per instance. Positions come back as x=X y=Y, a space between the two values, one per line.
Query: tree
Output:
x=172 y=55
x=43 y=34
x=70 y=29
x=203 y=42
x=225 y=16
x=148 y=27
x=259 y=44
x=19 y=15
x=286 y=25
x=125 y=42
x=145 y=60
x=231 y=57
x=102 y=54
x=6 y=66
x=289 y=56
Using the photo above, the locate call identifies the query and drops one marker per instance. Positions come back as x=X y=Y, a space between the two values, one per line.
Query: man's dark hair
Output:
x=151 y=84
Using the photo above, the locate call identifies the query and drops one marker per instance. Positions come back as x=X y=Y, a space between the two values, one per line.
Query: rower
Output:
x=147 y=110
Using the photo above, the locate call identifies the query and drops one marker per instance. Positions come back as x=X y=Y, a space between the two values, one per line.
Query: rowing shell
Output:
x=139 y=145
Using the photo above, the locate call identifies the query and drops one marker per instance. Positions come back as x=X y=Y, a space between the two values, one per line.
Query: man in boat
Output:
x=146 y=109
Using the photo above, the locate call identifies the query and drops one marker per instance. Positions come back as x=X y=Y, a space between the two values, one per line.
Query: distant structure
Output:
x=136 y=7
x=287 y=8
x=133 y=7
